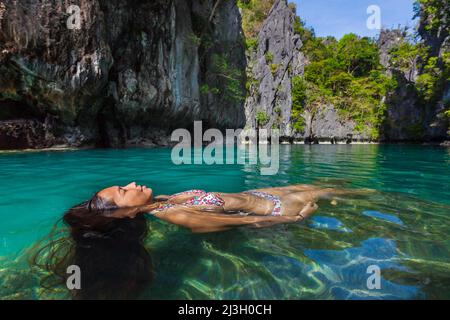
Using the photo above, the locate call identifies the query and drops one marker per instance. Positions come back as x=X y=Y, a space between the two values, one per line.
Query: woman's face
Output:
x=131 y=195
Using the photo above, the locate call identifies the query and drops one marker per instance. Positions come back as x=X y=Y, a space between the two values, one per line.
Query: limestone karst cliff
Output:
x=136 y=70
x=131 y=73
x=276 y=59
x=393 y=89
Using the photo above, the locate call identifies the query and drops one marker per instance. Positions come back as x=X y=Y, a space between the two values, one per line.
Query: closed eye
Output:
x=122 y=191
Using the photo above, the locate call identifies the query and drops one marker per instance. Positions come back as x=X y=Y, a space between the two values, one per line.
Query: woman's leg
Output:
x=296 y=203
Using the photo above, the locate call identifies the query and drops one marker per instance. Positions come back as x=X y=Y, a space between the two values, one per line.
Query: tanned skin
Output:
x=298 y=203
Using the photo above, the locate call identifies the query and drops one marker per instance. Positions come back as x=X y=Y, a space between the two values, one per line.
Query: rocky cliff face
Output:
x=409 y=117
x=404 y=114
x=436 y=35
x=277 y=59
x=326 y=124
x=136 y=70
x=133 y=72
x=388 y=40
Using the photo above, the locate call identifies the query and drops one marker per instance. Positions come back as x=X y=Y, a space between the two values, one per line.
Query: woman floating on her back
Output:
x=107 y=232
x=203 y=211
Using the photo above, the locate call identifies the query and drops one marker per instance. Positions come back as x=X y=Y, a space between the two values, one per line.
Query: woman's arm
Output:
x=162 y=197
x=200 y=222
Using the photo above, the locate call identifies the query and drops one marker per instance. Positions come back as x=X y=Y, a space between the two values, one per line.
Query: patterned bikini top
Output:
x=201 y=198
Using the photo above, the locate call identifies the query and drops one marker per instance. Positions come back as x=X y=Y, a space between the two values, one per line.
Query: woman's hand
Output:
x=308 y=209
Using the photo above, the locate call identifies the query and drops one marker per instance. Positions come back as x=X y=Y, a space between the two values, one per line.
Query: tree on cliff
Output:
x=346 y=73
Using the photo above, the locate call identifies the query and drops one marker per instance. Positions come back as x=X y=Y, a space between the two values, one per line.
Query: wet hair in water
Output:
x=110 y=252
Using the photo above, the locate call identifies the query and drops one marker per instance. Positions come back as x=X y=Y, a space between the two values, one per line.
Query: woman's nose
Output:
x=131 y=185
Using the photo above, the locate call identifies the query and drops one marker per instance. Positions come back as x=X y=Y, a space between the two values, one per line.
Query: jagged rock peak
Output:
x=278 y=58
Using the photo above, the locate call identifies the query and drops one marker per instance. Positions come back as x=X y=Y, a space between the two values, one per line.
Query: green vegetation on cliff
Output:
x=306 y=96
x=254 y=13
x=346 y=73
x=434 y=71
x=262 y=118
x=435 y=12
x=349 y=75
x=434 y=15
x=223 y=78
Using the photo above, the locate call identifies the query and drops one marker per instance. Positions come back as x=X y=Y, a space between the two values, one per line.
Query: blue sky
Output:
x=338 y=17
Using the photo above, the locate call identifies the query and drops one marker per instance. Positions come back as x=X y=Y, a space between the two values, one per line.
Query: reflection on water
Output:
x=403 y=228
x=383 y=216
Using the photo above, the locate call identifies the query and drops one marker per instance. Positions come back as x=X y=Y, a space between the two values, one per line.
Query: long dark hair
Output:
x=113 y=261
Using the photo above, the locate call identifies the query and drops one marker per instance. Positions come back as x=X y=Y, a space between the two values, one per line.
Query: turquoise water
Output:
x=403 y=227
